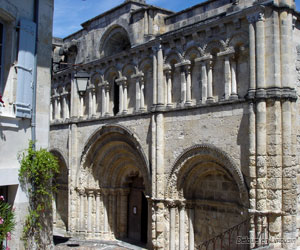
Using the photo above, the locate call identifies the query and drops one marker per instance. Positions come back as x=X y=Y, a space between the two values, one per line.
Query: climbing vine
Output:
x=37 y=170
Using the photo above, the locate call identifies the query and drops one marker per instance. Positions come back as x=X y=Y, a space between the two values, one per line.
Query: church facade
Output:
x=180 y=130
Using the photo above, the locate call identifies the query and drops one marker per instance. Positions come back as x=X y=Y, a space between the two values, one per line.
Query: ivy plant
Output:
x=38 y=167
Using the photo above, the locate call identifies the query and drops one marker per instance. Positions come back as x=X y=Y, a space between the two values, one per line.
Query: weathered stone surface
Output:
x=196 y=111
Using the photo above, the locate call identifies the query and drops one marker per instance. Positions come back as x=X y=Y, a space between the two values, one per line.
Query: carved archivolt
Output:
x=60 y=155
x=192 y=53
x=111 y=154
x=173 y=57
x=202 y=154
x=114 y=40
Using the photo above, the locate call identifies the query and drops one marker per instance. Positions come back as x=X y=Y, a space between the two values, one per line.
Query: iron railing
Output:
x=237 y=237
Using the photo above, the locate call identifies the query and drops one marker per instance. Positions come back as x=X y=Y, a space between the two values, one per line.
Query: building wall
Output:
x=203 y=112
x=16 y=132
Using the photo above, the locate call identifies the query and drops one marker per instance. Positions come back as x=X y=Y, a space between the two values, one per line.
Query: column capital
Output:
x=255 y=17
x=89 y=192
x=97 y=192
x=138 y=76
x=183 y=63
x=121 y=81
x=227 y=53
x=204 y=59
x=172 y=204
x=81 y=191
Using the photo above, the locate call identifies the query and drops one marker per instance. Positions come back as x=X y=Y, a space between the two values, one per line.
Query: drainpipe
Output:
x=33 y=119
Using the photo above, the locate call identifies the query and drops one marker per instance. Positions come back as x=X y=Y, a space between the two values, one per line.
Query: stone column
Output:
x=98 y=209
x=56 y=110
x=66 y=106
x=103 y=101
x=137 y=94
x=105 y=193
x=191 y=229
x=121 y=101
x=89 y=90
x=74 y=101
x=142 y=103
x=114 y=213
x=183 y=86
x=81 y=106
x=63 y=97
x=146 y=24
x=81 y=215
x=260 y=51
x=181 y=226
x=54 y=208
x=261 y=167
x=233 y=78
x=252 y=54
x=160 y=155
x=204 y=82
x=286 y=57
x=252 y=170
x=94 y=101
x=172 y=209
x=160 y=78
x=125 y=104
x=227 y=77
x=169 y=88
x=121 y=82
x=90 y=195
x=154 y=49
x=51 y=109
x=188 y=98
x=210 y=97
x=289 y=185
x=107 y=104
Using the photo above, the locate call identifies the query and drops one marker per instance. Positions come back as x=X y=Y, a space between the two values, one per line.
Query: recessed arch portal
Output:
x=114 y=41
x=113 y=180
x=209 y=191
x=61 y=197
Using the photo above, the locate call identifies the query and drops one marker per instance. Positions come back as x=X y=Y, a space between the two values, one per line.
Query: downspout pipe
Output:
x=34 y=87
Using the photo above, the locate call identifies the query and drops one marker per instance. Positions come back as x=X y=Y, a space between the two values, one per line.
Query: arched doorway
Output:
x=208 y=197
x=137 y=211
x=61 y=197
x=112 y=186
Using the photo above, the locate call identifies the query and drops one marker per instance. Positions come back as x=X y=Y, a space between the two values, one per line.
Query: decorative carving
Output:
x=255 y=17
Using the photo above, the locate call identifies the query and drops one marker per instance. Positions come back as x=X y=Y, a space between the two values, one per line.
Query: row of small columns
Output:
x=182 y=210
x=112 y=221
x=60 y=106
x=206 y=64
x=91 y=90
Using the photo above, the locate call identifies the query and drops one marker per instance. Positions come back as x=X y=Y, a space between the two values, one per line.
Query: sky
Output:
x=69 y=14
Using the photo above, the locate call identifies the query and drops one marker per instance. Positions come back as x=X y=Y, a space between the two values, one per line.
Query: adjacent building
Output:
x=180 y=130
x=25 y=82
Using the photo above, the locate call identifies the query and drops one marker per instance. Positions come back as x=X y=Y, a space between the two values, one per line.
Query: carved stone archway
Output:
x=113 y=181
x=206 y=191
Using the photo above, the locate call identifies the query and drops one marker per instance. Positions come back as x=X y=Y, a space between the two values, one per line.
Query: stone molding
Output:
x=206 y=149
x=272 y=93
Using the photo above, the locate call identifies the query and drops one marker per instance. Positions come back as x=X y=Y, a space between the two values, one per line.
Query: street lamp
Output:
x=82 y=78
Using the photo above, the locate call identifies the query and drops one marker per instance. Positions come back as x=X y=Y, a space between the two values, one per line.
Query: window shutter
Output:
x=25 y=68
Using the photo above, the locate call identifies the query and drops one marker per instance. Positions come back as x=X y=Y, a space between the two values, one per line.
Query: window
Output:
x=116 y=98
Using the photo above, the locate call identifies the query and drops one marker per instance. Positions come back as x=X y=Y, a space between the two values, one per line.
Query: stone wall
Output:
x=203 y=113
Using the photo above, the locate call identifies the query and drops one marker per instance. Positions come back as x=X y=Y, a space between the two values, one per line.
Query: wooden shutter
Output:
x=25 y=68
